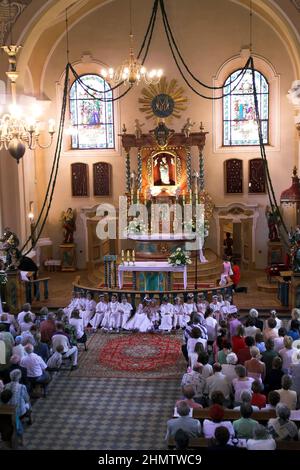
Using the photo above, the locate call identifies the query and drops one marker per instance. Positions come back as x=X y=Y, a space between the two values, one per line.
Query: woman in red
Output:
x=238 y=340
x=258 y=399
x=236 y=276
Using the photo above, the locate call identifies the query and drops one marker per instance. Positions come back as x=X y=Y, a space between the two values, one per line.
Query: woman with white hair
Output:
x=229 y=369
x=261 y=439
x=273 y=314
x=253 y=313
x=20 y=397
x=281 y=428
x=255 y=368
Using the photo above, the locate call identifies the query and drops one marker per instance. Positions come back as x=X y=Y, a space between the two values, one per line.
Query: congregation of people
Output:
x=247 y=365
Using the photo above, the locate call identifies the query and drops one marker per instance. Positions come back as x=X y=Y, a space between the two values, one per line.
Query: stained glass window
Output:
x=92 y=120
x=239 y=126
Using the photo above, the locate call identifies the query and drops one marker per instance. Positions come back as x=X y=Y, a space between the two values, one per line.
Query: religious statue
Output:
x=272 y=219
x=164 y=171
x=188 y=127
x=138 y=129
x=9 y=243
x=69 y=225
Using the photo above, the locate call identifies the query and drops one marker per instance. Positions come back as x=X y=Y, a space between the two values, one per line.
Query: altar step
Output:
x=264 y=285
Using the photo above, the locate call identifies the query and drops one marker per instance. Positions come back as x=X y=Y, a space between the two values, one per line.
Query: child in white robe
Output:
x=166 y=312
x=114 y=321
x=73 y=304
x=178 y=313
x=202 y=304
x=189 y=307
x=90 y=307
x=125 y=309
x=141 y=321
x=101 y=309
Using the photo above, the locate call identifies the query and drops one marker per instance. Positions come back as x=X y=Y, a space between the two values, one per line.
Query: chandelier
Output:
x=20 y=129
x=132 y=71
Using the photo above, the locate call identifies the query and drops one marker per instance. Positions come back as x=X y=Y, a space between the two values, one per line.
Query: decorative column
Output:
x=139 y=175
x=127 y=163
x=189 y=173
x=201 y=170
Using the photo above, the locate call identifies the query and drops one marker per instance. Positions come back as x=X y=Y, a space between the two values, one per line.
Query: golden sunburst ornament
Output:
x=164 y=100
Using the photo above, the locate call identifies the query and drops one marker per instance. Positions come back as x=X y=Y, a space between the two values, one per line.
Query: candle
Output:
x=132 y=196
x=122 y=256
x=183 y=199
x=133 y=256
x=51 y=126
x=128 y=256
x=191 y=197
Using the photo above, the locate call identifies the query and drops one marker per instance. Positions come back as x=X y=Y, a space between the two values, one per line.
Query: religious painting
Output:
x=79 y=176
x=234 y=176
x=164 y=169
x=257 y=181
x=239 y=117
x=102 y=178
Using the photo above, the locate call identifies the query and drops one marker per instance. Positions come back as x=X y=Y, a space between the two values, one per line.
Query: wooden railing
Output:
x=10 y=411
x=33 y=289
x=138 y=295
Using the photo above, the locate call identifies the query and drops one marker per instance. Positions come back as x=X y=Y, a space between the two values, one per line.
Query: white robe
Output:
x=179 y=316
x=140 y=321
x=166 y=311
x=101 y=309
x=188 y=310
x=114 y=315
x=87 y=314
x=125 y=309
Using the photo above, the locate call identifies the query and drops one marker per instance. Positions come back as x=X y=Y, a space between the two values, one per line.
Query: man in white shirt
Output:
x=61 y=338
x=26 y=309
x=36 y=367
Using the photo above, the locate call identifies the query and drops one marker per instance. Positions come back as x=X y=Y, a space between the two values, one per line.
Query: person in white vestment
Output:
x=141 y=321
x=166 y=312
x=125 y=309
x=154 y=313
x=114 y=312
x=189 y=308
x=73 y=304
x=26 y=309
x=178 y=313
x=101 y=309
x=90 y=307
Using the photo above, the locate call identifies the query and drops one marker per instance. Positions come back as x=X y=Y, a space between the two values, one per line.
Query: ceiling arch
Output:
x=47 y=25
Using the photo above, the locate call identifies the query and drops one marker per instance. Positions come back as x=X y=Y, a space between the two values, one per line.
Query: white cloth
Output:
x=166 y=311
x=241 y=385
x=125 y=309
x=22 y=314
x=179 y=316
x=34 y=364
x=229 y=371
x=101 y=309
x=261 y=444
x=209 y=428
x=114 y=315
x=218 y=382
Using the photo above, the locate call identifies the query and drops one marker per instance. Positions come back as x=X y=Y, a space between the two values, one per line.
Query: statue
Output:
x=69 y=225
x=9 y=243
x=272 y=224
x=138 y=129
x=164 y=169
x=187 y=127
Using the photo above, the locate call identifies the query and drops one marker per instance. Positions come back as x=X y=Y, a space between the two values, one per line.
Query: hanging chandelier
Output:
x=20 y=128
x=132 y=71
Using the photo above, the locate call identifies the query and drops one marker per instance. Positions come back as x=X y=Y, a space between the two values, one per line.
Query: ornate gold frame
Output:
x=150 y=169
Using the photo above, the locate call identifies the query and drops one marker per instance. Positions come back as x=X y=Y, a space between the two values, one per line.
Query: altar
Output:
x=148 y=267
x=159 y=246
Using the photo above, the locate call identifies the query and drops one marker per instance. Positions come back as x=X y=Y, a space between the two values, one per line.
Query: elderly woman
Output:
x=253 y=313
x=295 y=315
x=287 y=396
x=228 y=369
x=216 y=414
x=241 y=383
x=281 y=428
x=20 y=397
x=246 y=398
x=255 y=368
x=261 y=439
x=238 y=340
x=286 y=354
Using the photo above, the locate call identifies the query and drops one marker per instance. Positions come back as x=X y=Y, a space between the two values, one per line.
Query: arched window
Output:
x=239 y=127
x=92 y=119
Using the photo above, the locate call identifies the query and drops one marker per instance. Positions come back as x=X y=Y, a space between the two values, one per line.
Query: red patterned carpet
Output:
x=137 y=355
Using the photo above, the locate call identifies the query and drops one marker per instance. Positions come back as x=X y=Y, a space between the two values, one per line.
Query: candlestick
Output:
x=191 y=197
x=122 y=256
x=133 y=256
x=183 y=199
x=128 y=256
x=132 y=196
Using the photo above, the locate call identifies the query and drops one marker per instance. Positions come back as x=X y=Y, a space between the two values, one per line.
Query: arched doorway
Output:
x=239 y=222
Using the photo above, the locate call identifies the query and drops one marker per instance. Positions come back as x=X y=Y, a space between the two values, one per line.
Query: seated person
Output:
x=55 y=360
x=61 y=338
x=261 y=439
x=190 y=425
x=221 y=438
x=181 y=439
x=281 y=428
x=241 y=383
x=246 y=397
x=273 y=400
x=188 y=396
x=287 y=396
x=216 y=413
x=244 y=426
x=258 y=398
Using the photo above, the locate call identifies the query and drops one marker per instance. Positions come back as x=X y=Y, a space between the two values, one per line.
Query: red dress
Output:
x=258 y=399
x=238 y=342
x=236 y=276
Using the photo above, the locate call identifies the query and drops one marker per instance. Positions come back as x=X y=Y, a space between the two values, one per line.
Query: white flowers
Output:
x=179 y=258
x=135 y=226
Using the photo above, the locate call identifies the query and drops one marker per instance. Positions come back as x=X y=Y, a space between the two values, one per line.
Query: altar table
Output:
x=151 y=266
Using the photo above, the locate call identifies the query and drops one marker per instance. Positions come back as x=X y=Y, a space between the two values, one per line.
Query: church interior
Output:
x=149 y=224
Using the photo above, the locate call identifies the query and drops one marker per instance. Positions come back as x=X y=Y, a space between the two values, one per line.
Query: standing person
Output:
x=228 y=244
x=78 y=323
x=236 y=276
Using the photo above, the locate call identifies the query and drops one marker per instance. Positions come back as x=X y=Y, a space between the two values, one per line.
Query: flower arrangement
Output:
x=179 y=258
x=137 y=227
x=199 y=227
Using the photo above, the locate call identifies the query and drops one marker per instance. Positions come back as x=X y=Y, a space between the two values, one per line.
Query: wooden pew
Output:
x=231 y=415
x=10 y=411
x=202 y=442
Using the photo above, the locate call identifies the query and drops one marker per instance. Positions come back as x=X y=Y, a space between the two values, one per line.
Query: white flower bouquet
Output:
x=136 y=227
x=179 y=258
